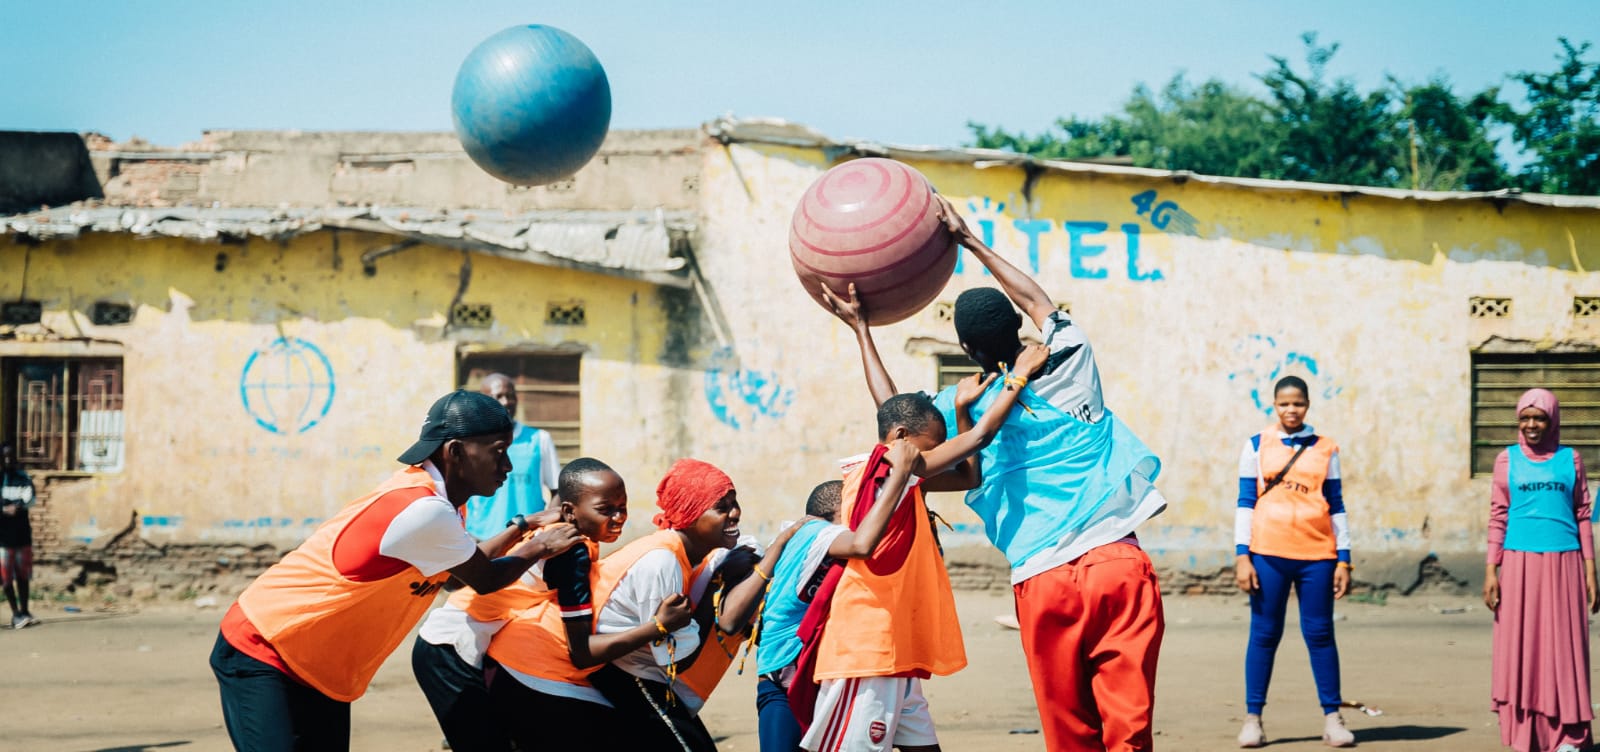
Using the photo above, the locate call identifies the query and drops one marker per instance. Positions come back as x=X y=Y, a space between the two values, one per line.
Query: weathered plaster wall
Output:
x=1196 y=298
x=201 y=464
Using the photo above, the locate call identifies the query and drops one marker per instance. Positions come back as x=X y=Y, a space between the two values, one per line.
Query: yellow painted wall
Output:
x=198 y=466
x=1370 y=293
x=1186 y=325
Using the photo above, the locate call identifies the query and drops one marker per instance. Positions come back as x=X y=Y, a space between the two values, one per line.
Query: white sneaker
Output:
x=1334 y=734
x=1251 y=735
x=24 y=621
x=1568 y=748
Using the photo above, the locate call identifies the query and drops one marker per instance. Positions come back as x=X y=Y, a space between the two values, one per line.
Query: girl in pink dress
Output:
x=1540 y=583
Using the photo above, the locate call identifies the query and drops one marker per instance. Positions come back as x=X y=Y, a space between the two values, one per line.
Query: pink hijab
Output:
x=1545 y=400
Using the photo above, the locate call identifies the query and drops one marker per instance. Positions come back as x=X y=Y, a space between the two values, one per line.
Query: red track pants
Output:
x=1091 y=630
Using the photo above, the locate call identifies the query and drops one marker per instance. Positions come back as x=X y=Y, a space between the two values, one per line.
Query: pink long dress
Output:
x=1540 y=676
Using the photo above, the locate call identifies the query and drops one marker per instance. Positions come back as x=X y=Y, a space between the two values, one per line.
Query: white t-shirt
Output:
x=1070 y=380
x=428 y=533
x=634 y=601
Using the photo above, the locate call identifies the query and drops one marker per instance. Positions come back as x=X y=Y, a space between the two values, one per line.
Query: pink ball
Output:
x=873 y=222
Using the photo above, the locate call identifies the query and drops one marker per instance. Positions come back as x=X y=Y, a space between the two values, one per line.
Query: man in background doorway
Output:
x=535 y=469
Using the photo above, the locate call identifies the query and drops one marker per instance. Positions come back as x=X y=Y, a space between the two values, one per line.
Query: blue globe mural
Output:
x=287 y=386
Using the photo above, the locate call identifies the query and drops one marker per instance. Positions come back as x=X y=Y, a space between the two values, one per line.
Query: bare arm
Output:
x=499 y=543
x=948 y=455
x=861 y=542
x=851 y=312
x=487 y=575
x=586 y=649
x=968 y=473
x=740 y=603
x=1021 y=288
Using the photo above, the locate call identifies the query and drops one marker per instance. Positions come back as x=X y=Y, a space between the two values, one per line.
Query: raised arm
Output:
x=851 y=312
x=1021 y=288
x=968 y=473
x=861 y=542
x=947 y=455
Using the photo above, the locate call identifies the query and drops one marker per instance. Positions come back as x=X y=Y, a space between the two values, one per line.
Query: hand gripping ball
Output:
x=531 y=105
x=873 y=222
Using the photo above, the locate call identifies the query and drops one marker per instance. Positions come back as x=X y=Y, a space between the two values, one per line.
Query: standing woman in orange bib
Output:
x=1290 y=531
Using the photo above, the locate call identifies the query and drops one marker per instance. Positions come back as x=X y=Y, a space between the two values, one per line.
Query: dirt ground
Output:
x=133 y=682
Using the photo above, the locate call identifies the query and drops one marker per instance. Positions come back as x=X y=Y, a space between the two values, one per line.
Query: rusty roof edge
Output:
x=646 y=257
x=780 y=132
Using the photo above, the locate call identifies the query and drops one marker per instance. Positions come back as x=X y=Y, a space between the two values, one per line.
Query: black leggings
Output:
x=539 y=721
x=651 y=720
x=266 y=711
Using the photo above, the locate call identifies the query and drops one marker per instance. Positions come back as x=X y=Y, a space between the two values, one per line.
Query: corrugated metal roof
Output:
x=638 y=244
x=784 y=133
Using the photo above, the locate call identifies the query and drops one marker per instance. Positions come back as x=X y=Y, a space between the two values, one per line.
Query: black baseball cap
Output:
x=457 y=415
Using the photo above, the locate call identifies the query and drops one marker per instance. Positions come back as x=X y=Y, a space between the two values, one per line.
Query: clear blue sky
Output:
x=903 y=72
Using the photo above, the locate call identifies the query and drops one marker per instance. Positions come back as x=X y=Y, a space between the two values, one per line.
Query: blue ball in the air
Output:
x=531 y=105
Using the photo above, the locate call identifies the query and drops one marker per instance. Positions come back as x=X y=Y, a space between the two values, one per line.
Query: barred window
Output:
x=1498 y=379
x=64 y=414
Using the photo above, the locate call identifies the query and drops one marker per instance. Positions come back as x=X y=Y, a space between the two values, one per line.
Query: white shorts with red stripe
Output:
x=870 y=714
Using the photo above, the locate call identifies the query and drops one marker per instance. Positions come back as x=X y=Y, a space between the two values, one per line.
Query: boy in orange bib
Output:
x=891 y=620
x=304 y=640
x=556 y=596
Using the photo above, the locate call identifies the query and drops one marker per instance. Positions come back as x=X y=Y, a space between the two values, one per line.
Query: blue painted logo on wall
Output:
x=739 y=398
x=287 y=386
x=1263 y=360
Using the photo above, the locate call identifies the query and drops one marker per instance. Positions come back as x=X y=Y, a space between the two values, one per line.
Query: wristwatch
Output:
x=520 y=521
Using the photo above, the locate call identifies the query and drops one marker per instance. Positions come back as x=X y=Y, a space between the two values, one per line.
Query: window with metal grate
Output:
x=566 y=313
x=1498 y=379
x=1490 y=308
x=472 y=315
x=64 y=414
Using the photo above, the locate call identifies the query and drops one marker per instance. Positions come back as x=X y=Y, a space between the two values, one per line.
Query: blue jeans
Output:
x=780 y=732
x=1313 y=585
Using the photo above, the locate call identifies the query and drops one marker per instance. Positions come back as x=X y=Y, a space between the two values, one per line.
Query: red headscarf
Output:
x=689 y=488
x=1545 y=400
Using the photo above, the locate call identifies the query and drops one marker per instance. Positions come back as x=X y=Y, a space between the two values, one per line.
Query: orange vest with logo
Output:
x=504 y=603
x=332 y=632
x=534 y=641
x=715 y=657
x=892 y=623
x=1292 y=520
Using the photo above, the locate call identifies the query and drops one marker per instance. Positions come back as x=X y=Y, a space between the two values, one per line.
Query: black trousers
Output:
x=648 y=718
x=266 y=711
x=539 y=721
x=459 y=698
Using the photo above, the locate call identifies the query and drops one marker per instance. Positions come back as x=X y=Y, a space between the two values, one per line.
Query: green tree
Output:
x=1311 y=128
x=1331 y=132
x=1560 y=126
x=1448 y=140
x=1212 y=128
